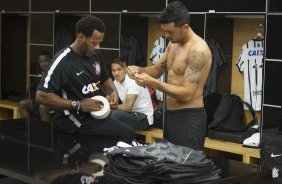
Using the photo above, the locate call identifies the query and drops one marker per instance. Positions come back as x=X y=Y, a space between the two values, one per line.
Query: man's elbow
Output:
x=127 y=109
x=39 y=97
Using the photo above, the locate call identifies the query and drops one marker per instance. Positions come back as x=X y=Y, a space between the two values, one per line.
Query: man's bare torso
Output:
x=188 y=65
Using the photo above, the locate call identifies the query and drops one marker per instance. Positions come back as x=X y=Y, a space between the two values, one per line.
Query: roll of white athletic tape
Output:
x=105 y=108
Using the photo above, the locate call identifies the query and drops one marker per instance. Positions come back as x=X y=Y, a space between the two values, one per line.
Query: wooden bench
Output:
x=248 y=154
x=14 y=106
x=151 y=135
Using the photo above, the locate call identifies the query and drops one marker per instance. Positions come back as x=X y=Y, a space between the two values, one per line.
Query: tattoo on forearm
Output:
x=196 y=62
x=164 y=65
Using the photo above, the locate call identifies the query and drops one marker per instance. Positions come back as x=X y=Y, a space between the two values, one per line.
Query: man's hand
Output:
x=132 y=70
x=143 y=79
x=113 y=100
x=89 y=105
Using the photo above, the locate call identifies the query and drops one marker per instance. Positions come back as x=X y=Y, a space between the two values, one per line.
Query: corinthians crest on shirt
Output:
x=97 y=67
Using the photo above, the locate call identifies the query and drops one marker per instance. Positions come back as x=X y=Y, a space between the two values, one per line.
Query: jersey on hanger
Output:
x=157 y=51
x=251 y=63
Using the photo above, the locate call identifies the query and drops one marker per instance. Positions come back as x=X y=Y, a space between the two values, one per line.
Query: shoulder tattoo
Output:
x=196 y=63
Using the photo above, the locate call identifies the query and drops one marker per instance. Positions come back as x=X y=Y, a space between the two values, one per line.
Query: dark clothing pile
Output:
x=161 y=162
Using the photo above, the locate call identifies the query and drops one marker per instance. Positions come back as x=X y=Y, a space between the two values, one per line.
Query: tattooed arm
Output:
x=196 y=63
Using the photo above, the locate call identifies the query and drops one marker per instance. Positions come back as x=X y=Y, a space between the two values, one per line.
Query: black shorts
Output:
x=186 y=127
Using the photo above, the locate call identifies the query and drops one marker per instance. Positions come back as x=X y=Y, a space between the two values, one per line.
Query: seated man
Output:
x=28 y=107
x=75 y=75
x=136 y=108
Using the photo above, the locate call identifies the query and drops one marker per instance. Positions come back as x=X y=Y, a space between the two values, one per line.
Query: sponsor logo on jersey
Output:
x=257 y=92
x=90 y=88
x=161 y=50
x=97 y=67
x=255 y=53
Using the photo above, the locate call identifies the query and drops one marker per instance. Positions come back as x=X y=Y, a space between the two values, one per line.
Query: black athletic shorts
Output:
x=186 y=127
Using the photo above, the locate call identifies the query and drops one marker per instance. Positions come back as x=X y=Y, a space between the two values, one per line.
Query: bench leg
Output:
x=15 y=113
x=246 y=159
x=149 y=139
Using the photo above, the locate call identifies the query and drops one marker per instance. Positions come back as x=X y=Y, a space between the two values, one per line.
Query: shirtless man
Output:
x=187 y=60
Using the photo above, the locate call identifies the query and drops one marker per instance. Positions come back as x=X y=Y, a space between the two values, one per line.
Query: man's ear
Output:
x=80 y=36
x=186 y=26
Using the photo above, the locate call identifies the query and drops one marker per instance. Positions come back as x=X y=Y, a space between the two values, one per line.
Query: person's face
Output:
x=43 y=61
x=92 y=43
x=173 y=33
x=118 y=72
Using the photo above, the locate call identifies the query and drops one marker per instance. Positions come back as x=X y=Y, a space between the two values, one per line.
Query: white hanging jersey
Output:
x=157 y=52
x=158 y=49
x=251 y=63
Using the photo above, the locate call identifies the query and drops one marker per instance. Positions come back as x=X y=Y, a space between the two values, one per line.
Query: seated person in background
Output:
x=28 y=107
x=136 y=108
x=75 y=75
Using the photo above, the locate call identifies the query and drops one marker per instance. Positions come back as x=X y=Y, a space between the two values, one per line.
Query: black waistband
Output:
x=187 y=110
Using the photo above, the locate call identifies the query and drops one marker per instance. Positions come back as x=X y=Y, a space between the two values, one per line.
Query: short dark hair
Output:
x=45 y=53
x=88 y=24
x=175 y=12
x=119 y=61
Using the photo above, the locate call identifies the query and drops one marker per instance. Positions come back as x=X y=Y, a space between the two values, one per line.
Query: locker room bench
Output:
x=8 y=105
x=249 y=155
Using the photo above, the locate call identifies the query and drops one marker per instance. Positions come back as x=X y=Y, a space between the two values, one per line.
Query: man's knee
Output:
x=116 y=114
x=25 y=104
